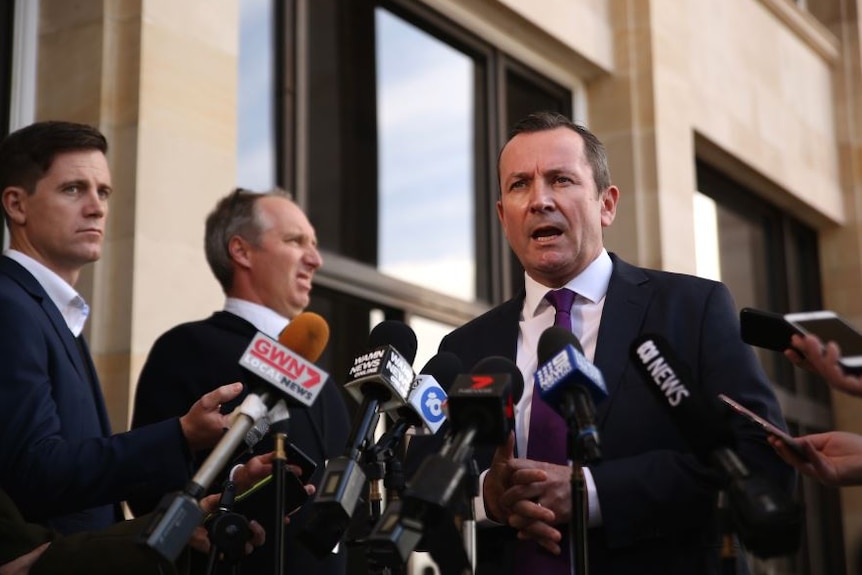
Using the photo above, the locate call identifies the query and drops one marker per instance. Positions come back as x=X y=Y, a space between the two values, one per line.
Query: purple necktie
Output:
x=547 y=442
x=547 y=438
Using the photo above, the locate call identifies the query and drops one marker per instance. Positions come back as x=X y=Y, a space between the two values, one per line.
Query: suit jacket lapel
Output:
x=93 y=378
x=18 y=273
x=510 y=329
x=627 y=300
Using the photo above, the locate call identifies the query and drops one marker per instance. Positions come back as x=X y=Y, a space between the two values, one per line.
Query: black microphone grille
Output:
x=500 y=364
x=397 y=334
x=553 y=340
x=696 y=413
x=443 y=367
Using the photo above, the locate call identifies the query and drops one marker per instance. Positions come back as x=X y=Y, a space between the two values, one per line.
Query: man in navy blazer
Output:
x=651 y=502
x=59 y=462
x=263 y=251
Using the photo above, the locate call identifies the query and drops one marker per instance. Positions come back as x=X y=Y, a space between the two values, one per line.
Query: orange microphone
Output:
x=307 y=335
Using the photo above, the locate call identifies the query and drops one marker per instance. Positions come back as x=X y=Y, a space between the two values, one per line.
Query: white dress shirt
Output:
x=261 y=317
x=591 y=286
x=72 y=306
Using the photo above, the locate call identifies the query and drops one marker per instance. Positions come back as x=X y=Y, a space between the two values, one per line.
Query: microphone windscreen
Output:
x=553 y=340
x=692 y=410
x=306 y=335
x=397 y=334
x=500 y=364
x=444 y=367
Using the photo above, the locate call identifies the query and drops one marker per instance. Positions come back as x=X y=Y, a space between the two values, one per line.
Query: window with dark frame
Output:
x=769 y=261
x=405 y=114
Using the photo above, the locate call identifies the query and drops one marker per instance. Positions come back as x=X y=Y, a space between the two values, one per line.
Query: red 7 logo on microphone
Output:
x=480 y=381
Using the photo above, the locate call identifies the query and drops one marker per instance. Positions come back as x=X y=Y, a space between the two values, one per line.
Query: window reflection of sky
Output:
x=425 y=123
x=706 y=244
x=425 y=137
x=255 y=139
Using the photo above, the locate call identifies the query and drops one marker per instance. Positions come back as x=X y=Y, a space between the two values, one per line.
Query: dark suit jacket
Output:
x=657 y=500
x=109 y=551
x=58 y=459
x=195 y=358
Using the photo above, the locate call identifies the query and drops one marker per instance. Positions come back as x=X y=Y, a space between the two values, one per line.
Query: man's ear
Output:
x=239 y=251
x=15 y=204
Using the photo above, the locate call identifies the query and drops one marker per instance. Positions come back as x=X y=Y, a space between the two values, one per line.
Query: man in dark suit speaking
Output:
x=651 y=502
x=263 y=251
x=59 y=462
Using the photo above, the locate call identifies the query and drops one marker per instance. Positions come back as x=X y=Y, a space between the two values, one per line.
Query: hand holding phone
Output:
x=294 y=488
x=766 y=329
x=828 y=326
x=768 y=427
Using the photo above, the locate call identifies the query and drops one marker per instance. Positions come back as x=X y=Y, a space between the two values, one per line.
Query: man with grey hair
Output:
x=263 y=251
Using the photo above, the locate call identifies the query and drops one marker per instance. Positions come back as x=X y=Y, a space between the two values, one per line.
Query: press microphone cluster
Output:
x=282 y=369
x=428 y=394
x=572 y=386
x=380 y=379
x=480 y=411
x=424 y=410
x=766 y=518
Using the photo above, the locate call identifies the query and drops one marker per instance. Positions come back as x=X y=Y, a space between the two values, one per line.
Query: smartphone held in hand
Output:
x=768 y=427
x=828 y=326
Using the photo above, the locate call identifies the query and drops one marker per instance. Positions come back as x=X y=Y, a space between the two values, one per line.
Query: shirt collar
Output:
x=69 y=302
x=261 y=317
x=591 y=284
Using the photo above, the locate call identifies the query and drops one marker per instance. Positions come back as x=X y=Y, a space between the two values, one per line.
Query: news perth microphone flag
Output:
x=297 y=378
x=567 y=369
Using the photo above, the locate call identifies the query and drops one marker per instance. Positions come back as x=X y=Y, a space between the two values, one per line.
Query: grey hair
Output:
x=236 y=214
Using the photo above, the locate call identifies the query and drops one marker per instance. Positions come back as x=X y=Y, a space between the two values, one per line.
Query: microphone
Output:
x=480 y=406
x=427 y=396
x=424 y=409
x=274 y=365
x=571 y=385
x=766 y=518
x=381 y=378
x=274 y=371
x=307 y=335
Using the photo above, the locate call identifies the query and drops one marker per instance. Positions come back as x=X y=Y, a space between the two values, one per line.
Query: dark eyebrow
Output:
x=77 y=182
x=558 y=171
x=519 y=176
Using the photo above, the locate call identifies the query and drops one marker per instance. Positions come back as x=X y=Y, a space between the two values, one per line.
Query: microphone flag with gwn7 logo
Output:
x=273 y=368
x=299 y=379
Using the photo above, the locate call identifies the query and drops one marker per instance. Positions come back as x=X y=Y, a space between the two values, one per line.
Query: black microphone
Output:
x=425 y=402
x=481 y=406
x=424 y=410
x=571 y=385
x=767 y=520
x=381 y=377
